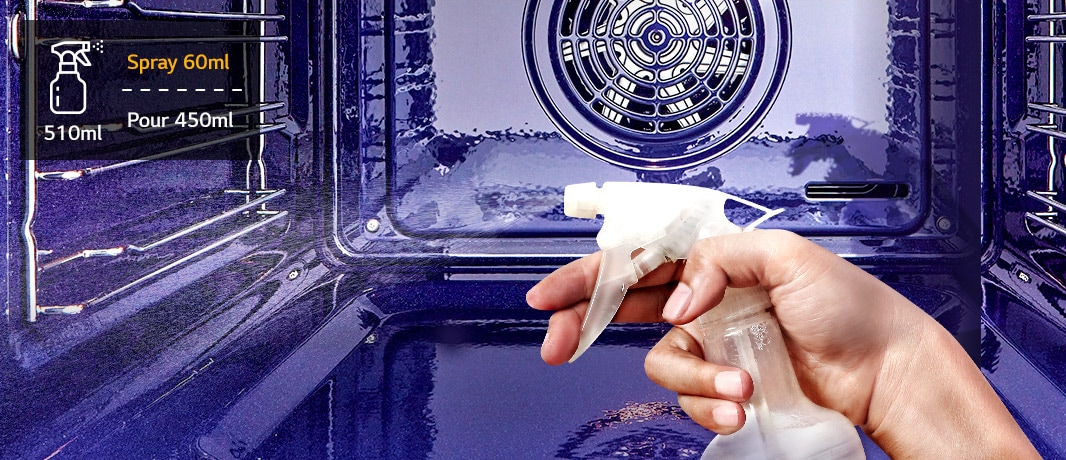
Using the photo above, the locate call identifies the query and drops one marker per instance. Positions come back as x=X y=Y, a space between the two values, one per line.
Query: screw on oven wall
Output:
x=294 y=274
x=944 y=224
x=373 y=225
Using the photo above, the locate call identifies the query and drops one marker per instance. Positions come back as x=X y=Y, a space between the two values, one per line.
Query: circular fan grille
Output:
x=655 y=83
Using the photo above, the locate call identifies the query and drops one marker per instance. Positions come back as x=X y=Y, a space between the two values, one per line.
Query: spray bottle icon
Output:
x=67 y=92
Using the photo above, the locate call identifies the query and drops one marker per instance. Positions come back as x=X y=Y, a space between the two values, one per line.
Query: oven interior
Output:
x=341 y=270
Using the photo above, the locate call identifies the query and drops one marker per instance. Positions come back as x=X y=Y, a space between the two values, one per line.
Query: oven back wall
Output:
x=456 y=143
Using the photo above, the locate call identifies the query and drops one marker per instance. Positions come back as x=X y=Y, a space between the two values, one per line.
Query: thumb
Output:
x=768 y=258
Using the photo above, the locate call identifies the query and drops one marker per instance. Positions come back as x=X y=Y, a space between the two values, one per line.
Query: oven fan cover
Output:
x=656 y=84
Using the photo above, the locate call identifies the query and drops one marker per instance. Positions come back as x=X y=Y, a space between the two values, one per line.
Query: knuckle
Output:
x=704 y=377
x=701 y=249
x=703 y=262
x=653 y=362
x=784 y=244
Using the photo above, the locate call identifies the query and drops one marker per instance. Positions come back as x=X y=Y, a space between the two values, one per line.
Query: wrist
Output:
x=931 y=400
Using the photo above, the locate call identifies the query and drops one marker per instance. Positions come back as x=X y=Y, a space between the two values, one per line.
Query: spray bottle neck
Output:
x=744 y=334
x=754 y=342
x=68 y=67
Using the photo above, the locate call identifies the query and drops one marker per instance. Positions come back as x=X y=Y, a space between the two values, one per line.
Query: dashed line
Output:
x=181 y=90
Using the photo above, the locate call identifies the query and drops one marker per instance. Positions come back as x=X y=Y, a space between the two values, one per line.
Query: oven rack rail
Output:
x=270 y=217
x=135 y=248
x=138 y=11
x=1045 y=218
x=257 y=194
x=1051 y=113
x=75 y=174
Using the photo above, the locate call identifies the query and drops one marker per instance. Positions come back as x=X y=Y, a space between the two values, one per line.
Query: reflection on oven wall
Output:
x=453 y=135
x=269 y=345
x=486 y=189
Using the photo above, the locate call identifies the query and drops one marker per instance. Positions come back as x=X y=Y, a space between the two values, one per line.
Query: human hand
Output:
x=857 y=346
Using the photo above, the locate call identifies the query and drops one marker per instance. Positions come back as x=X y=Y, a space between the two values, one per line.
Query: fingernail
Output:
x=728 y=384
x=677 y=303
x=726 y=415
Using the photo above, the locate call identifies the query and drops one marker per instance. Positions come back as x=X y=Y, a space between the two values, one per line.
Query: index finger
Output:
x=575 y=281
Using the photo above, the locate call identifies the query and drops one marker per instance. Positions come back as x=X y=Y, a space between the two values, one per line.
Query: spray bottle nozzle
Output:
x=663 y=220
x=581 y=200
x=71 y=52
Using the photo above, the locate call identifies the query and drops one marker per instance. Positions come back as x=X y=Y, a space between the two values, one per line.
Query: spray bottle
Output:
x=646 y=225
x=67 y=92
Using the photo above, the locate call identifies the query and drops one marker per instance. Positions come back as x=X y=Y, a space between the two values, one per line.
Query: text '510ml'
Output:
x=71 y=133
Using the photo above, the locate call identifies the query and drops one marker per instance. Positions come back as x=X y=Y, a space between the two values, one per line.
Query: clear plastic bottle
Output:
x=67 y=91
x=781 y=423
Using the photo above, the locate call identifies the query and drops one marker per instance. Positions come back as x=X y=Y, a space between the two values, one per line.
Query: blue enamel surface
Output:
x=316 y=337
x=435 y=93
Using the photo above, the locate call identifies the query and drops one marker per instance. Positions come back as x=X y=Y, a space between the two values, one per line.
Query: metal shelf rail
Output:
x=257 y=193
x=1052 y=114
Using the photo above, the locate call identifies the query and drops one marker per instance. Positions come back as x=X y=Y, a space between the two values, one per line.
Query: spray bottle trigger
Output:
x=616 y=275
x=82 y=58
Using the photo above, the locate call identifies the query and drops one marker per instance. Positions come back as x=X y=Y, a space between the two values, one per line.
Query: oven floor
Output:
x=407 y=378
x=477 y=389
